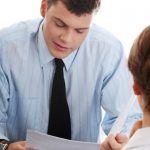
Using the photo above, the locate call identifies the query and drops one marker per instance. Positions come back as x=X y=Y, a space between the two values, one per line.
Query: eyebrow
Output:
x=84 y=28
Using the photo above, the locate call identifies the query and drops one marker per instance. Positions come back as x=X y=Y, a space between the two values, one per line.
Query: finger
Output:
x=120 y=138
x=17 y=146
x=113 y=143
x=23 y=143
x=105 y=145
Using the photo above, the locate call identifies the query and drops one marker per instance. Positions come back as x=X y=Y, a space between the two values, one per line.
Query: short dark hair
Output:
x=139 y=64
x=79 y=7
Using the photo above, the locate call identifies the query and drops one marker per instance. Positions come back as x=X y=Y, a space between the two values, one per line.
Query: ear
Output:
x=136 y=89
x=44 y=7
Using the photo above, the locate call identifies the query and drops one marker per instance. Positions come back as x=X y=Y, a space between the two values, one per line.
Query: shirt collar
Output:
x=45 y=55
x=69 y=59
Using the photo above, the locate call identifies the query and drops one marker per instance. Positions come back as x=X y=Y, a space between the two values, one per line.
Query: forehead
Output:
x=60 y=11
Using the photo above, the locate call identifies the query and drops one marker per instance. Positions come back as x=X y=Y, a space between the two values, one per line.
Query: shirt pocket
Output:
x=21 y=112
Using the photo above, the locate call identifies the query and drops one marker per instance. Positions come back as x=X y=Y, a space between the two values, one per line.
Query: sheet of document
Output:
x=40 y=141
x=120 y=121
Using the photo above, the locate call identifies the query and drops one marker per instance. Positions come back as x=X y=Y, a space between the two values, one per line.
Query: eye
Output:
x=80 y=31
x=59 y=24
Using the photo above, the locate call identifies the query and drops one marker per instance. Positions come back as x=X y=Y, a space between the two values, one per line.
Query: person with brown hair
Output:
x=139 y=65
x=58 y=72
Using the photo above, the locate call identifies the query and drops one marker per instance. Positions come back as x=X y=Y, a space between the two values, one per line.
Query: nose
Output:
x=66 y=36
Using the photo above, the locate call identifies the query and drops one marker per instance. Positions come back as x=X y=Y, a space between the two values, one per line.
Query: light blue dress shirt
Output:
x=95 y=75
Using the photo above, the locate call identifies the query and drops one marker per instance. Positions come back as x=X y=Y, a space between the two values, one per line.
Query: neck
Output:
x=146 y=119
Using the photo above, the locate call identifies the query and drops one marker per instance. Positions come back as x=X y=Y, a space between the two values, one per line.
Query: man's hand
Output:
x=114 y=143
x=21 y=145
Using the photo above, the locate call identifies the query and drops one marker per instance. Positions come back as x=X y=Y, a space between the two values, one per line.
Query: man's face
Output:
x=63 y=31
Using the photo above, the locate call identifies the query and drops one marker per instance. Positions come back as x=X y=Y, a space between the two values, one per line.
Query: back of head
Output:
x=139 y=64
x=79 y=7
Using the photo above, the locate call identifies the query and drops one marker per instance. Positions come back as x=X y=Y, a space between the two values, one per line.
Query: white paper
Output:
x=40 y=141
x=118 y=125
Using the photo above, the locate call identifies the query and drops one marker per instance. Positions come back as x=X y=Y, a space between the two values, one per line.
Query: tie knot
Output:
x=59 y=62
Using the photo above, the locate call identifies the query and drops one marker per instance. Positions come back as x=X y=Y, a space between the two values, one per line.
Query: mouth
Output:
x=60 y=47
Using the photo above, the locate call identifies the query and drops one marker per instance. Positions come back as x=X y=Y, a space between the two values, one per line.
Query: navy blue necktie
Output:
x=59 y=117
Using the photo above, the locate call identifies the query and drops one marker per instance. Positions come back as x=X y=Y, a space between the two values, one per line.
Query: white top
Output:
x=140 y=140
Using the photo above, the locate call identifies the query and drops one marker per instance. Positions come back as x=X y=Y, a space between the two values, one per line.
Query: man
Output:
x=94 y=70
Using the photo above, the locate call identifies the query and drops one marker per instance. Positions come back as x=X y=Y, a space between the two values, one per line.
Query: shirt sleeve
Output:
x=4 y=97
x=116 y=92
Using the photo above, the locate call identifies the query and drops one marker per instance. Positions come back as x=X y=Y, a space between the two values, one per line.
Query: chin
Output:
x=60 y=55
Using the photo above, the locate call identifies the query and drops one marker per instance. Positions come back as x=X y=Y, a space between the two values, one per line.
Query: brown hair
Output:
x=79 y=7
x=139 y=64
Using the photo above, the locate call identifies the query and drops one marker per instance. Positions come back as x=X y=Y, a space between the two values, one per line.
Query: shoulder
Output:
x=15 y=40
x=18 y=31
x=139 y=140
x=135 y=127
x=102 y=45
x=101 y=35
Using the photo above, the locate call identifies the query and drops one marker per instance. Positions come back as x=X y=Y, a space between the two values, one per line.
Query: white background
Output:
x=124 y=18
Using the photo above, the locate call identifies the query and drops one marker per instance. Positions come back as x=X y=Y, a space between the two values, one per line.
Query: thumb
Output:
x=121 y=138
